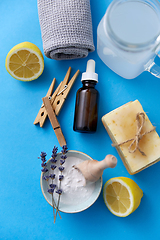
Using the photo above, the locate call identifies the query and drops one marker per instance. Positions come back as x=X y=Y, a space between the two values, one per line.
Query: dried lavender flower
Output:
x=62 y=161
x=61 y=177
x=53 y=185
x=53 y=166
x=43 y=164
x=46 y=178
x=52 y=176
x=61 y=168
x=59 y=191
x=64 y=157
x=64 y=149
x=53 y=160
x=44 y=170
x=43 y=154
x=43 y=160
x=51 y=190
x=55 y=149
x=54 y=155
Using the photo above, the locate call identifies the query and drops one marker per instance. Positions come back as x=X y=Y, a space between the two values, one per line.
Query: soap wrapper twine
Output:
x=140 y=118
x=66 y=28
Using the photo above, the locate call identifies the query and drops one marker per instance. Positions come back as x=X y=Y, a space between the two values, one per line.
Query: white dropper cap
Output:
x=90 y=72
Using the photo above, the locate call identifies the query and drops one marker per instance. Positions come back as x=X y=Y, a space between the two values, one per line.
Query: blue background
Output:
x=24 y=213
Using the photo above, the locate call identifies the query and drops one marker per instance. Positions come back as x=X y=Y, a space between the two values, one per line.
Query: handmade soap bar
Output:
x=122 y=127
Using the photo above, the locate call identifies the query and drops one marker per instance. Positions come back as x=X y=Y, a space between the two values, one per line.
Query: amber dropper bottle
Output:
x=85 y=118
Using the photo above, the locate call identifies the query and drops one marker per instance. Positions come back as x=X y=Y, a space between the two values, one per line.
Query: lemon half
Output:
x=122 y=196
x=25 y=61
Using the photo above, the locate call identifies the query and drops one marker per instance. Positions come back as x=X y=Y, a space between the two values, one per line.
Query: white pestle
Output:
x=92 y=170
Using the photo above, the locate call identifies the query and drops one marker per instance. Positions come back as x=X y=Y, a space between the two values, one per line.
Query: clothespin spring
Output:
x=49 y=99
x=65 y=87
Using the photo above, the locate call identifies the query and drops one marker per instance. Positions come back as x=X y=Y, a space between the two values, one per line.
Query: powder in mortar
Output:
x=72 y=185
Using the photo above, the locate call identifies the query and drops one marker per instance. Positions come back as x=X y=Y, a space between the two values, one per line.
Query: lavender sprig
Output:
x=44 y=164
x=53 y=187
x=55 y=149
x=61 y=169
x=52 y=176
x=54 y=155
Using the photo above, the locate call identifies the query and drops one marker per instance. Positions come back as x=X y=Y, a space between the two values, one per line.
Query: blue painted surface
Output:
x=24 y=213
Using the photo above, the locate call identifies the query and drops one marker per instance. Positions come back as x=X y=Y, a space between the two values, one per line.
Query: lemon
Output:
x=25 y=61
x=122 y=196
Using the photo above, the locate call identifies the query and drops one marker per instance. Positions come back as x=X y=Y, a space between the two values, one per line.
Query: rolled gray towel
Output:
x=66 y=28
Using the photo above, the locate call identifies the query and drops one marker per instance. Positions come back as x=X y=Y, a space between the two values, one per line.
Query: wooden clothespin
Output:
x=54 y=121
x=58 y=101
x=42 y=114
x=53 y=104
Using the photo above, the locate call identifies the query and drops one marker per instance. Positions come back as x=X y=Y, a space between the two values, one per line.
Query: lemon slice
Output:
x=122 y=196
x=25 y=61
